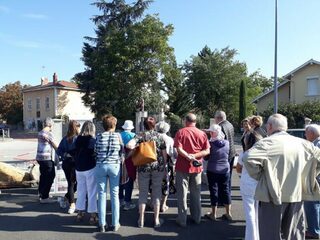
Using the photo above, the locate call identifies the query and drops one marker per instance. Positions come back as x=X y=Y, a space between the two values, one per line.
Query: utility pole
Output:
x=275 y=80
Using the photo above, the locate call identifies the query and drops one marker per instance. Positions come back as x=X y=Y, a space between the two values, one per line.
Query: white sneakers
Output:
x=72 y=208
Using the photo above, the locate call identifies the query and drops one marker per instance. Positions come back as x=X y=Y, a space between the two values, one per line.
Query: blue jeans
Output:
x=312 y=211
x=103 y=172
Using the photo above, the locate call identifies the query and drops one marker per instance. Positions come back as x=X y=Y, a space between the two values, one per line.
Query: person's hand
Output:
x=191 y=157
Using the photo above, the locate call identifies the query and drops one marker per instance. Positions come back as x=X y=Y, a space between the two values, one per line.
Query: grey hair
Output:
x=162 y=127
x=278 y=122
x=48 y=122
x=88 y=129
x=314 y=128
x=220 y=114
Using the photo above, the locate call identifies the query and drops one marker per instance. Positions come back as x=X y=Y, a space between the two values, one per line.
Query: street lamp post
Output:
x=275 y=80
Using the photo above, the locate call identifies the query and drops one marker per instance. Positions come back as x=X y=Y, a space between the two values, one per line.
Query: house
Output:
x=53 y=99
x=300 y=85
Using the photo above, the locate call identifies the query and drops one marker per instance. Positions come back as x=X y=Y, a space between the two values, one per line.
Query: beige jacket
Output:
x=285 y=168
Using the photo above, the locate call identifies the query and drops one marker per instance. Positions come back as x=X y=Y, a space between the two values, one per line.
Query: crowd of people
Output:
x=279 y=173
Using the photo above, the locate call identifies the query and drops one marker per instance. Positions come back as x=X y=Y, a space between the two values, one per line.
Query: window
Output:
x=38 y=104
x=47 y=103
x=29 y=104
x=312 y=86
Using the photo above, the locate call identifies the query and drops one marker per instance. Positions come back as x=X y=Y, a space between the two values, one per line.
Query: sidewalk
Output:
x=22 y=217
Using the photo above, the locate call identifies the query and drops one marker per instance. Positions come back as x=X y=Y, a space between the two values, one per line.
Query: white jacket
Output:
x=285 y=168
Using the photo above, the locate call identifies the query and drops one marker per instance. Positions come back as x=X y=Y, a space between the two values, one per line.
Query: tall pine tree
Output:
x=242 y=101
x=129 y=59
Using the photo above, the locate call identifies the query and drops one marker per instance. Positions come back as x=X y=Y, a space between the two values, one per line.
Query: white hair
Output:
x=48 y=122
x=221 y=114
x=162 y=127
x=314 y=128
x=216 y=128
x=278 y=122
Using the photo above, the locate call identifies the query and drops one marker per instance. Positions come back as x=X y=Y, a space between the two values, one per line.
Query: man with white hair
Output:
x=312 y=208
x=44 y=158
x=285 y=168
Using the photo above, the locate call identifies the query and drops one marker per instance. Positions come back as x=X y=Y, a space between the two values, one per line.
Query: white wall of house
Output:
x=70 y=104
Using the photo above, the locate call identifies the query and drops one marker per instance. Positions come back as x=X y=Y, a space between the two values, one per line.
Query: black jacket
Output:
x=84 y=153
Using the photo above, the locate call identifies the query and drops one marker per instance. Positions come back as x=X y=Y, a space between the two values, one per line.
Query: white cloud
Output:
x=35 y=16
x=4 y=9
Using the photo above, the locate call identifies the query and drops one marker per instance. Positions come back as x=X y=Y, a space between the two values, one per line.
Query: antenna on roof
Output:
x=42 y=72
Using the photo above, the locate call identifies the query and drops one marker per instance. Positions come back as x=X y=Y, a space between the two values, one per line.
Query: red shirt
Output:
x=192 y=140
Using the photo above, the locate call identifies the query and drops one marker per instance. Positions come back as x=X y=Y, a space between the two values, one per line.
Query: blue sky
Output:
x=38 y=38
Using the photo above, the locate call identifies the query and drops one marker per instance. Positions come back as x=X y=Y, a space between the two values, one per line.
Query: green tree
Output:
x=296 y=113
x=213 y=78
x=242 y=101
x=129 y=59
x=11 y=103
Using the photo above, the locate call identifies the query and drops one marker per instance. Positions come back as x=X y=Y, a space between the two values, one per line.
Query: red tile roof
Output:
x=67 y=84
x=62 y=84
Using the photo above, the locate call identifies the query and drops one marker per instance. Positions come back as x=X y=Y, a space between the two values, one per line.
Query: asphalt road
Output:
x=23 y=217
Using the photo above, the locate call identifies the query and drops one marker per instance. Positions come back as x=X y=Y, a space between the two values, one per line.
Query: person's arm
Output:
x=201 y=154
x=253 y=160
x=132 y=144
x=184 y=154
x=49 y=139
x=239 y=165
x=239 y=168
x=205 y=149
x=61 y=148
x=54 y=145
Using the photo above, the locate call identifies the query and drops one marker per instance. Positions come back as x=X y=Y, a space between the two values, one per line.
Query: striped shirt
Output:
x=44 y=151
x=108 y=147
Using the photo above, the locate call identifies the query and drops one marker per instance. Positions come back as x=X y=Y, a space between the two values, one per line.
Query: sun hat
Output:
x=128 y=125
x=216 y=128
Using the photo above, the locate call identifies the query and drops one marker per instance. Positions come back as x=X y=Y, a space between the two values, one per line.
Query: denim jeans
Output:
x=105 y=172
x=312 y=210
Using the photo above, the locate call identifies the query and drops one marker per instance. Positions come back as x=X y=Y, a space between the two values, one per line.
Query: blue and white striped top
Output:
x=108 y=147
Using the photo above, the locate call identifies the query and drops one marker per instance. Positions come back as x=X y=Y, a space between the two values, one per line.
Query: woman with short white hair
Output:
x=218 y=173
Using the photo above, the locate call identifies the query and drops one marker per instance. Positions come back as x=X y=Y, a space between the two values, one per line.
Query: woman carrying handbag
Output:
x=154 y=170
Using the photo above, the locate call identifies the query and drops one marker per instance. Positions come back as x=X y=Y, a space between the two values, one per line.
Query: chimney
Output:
x=44 y=81
x=55 y=79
